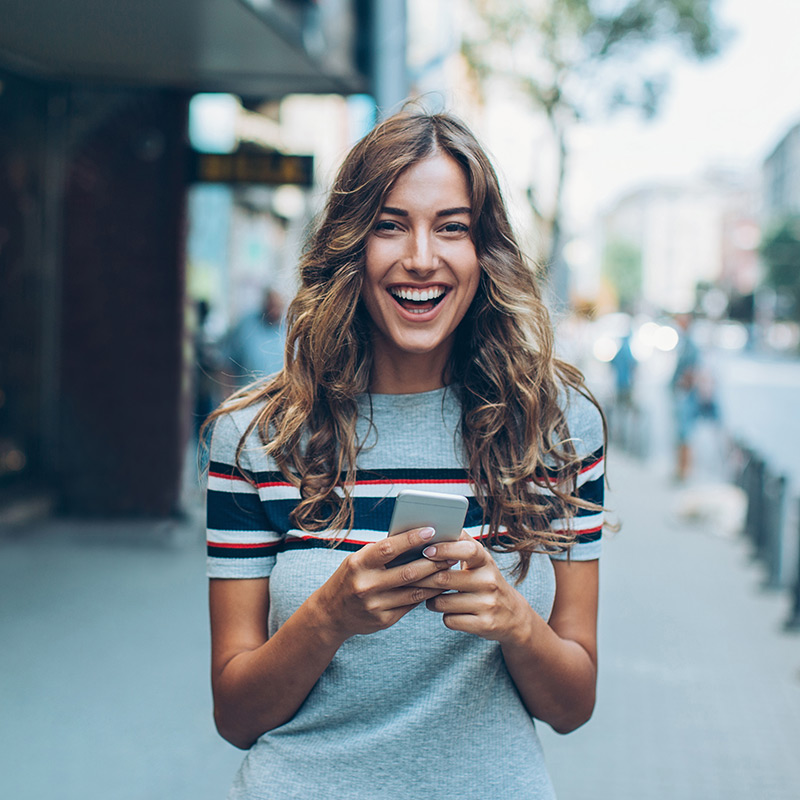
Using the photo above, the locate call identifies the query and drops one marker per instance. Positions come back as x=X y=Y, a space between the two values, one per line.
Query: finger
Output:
x=379 y=554
x=449 y=579
x=466 y=623
x=409 y=596
x=414 y=572
x=454 y=603
x=469 y=551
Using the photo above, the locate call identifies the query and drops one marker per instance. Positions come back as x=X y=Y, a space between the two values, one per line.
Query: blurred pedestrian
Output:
x=254 y=346
x=208 y=363
x=624 y=418
x=420 y=353
x=685 y=395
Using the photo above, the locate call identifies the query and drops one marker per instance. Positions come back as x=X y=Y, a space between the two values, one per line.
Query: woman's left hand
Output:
x=478 y=598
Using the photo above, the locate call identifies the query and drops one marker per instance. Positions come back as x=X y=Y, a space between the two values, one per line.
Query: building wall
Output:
x=123 y=394
x=23 y=285
x=782 y=177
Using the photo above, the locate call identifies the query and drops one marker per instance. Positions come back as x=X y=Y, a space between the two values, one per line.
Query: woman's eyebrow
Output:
x=445 y=212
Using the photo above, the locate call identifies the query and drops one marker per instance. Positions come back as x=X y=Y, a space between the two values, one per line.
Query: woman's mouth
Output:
x=418 y=300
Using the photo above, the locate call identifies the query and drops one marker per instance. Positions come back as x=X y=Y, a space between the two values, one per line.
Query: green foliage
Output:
x=622 y=268
x=578 y=59
x=780 y=251
x=574 y=42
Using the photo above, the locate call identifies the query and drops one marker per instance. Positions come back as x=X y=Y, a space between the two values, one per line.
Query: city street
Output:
x=759 y=399
x=104 y=665
x=699 y=688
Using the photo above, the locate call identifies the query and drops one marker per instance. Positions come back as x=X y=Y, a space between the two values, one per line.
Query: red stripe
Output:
x=226 y=477
x=241 y=545
x=581 y=531
x=399 y=482
x=592 y=466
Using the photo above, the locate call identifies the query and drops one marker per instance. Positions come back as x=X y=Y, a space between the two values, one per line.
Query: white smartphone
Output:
x=445 y=513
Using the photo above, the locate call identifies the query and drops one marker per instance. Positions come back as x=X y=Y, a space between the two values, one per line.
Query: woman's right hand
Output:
x=364 y=596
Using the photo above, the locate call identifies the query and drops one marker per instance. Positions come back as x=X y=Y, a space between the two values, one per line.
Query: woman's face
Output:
x=422 y=270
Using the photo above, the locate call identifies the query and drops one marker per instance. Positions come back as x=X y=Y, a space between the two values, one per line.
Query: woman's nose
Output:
x=421 y=256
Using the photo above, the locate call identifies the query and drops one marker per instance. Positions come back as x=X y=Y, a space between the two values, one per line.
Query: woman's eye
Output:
x=455 y=227
x=387 y=225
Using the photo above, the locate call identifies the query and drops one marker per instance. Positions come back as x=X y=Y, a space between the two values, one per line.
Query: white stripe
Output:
x=591 y=474
x=217 y=484
x=241 y=537
x=357 y=535
x=378 y=491
x=578 y=524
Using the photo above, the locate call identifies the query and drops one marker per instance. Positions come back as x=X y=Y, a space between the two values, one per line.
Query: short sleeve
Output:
x=586 y=432
x=240 y=539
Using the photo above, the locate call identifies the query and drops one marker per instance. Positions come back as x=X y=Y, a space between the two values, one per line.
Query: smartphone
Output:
x=445 y=513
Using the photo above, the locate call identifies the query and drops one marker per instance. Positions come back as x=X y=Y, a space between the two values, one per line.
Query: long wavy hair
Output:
x=509 y=382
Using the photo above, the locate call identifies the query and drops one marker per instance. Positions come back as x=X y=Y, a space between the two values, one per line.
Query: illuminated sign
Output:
x=274 y=169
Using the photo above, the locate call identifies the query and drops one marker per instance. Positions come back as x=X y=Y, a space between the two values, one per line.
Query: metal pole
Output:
x=793 y=623
x=389 y=62
x=774 y=496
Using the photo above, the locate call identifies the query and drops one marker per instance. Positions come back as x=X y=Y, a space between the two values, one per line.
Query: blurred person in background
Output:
x=685 y=385
x=208 y=363
x=419 y=353
x=623 y=364
x=253 y=348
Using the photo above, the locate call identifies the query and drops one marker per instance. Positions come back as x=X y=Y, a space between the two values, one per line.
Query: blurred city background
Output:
x=160 y=166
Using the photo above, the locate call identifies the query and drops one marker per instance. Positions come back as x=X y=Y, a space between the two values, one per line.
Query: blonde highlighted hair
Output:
x=503 y=367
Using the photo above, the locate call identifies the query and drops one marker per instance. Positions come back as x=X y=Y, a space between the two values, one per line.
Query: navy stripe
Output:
x=235 y=511
x=243 y=552
x=244 y=511
x=392 y=476
x=230 y=470
x=593 y=491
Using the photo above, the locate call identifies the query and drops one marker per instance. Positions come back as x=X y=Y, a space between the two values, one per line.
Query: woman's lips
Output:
x=418 y=300
x=418 y=310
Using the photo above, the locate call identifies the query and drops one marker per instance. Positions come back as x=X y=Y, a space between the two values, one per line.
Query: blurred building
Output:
x=782 y=177
x=704 y=232
x=94 y=169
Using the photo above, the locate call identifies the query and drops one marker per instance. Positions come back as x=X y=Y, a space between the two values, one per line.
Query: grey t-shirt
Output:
x=417 y=710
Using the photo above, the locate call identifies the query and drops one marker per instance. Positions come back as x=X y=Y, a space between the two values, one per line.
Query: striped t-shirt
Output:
x=249 y=506
x=417 y=710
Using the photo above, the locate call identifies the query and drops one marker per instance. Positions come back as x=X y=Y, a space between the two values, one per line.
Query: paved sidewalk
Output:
x=699 y=688
x=104 y=665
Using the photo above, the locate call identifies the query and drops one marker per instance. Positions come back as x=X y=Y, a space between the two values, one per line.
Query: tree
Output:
x=582 y=59
x=780 y=250
x=622 y=267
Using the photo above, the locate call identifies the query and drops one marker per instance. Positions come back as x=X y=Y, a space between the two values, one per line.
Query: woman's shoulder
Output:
x=584 y=421
x=231 y=425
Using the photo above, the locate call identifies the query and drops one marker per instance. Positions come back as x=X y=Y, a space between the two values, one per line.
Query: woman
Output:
x=419 y=353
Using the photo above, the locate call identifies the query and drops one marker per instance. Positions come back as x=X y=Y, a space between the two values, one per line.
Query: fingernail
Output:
x=429 y=552
x=426 y=533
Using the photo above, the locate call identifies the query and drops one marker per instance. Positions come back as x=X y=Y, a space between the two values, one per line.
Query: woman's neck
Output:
x=409 y=374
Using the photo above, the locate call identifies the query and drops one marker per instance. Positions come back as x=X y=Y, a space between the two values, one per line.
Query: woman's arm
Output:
x=554 y=665
x=258 y=681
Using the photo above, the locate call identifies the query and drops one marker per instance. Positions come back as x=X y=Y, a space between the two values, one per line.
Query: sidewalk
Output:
x=104 y=665
x=699 y=688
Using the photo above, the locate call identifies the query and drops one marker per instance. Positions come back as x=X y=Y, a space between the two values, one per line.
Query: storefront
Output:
x=94 y=98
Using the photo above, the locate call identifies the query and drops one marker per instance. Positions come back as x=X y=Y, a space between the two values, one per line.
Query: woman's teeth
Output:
x=418 y=295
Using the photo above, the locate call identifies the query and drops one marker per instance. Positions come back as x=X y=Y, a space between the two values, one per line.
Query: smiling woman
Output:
x=421 y=275
x=419 y=354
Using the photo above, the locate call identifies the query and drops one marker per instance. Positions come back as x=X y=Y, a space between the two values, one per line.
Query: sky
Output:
x=730 y=111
